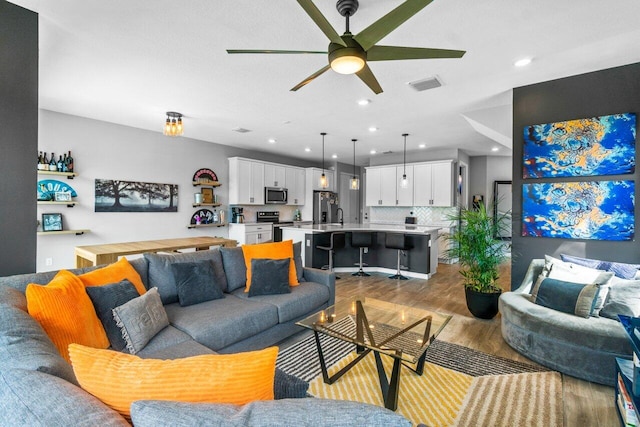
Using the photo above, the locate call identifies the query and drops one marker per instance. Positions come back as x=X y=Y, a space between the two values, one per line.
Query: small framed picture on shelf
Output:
x=207 y=195
x=51 y=222
x=62 y=196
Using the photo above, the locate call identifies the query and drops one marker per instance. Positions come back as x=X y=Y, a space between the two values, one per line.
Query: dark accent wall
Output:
x=18 y=138
x=611 y=91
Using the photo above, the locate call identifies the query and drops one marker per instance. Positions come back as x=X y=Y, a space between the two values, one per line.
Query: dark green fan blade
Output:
x=392 y=20
x=369 y=79
x=317 y=16
x=310 y=78
x=390 y=53
x=273 y=51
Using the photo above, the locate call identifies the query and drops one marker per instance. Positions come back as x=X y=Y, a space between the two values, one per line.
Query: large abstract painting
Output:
x=114 y=195
x=596 y=210
x=596 y=146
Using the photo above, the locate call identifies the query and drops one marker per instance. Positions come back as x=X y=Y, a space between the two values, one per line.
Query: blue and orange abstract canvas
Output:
x=596 y=146
x=596 y=210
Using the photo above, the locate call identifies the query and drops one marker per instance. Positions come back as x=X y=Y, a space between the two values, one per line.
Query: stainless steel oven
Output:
x=274 y=218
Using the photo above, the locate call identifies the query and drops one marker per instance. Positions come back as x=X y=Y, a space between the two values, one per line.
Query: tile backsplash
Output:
x=426 y=215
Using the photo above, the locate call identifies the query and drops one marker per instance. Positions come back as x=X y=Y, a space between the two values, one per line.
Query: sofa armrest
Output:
x=534 y=270
x=324 y=277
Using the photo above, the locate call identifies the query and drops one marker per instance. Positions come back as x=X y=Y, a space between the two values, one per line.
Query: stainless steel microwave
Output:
x=275 y=195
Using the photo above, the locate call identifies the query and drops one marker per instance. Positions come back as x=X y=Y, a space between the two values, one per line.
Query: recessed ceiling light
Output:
x=422 y=145
x=272 y=140
x=373 y=129
x=308 y=150
x=494 y=149
x=372 y=152
x=522 y=62
x=334 y=156
x=364 y=102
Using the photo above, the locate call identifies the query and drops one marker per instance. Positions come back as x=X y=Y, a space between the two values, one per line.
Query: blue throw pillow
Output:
x=105 y=299
x=195 y=282
x=620 y=269
x=568 y=297
x=624 y=298
x=235 y=269
x=269 y=276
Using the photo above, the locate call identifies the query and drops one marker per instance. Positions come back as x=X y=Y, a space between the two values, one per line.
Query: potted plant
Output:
x=475 y=245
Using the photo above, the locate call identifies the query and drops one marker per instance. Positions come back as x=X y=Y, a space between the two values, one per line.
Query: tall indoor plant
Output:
x=480 y=253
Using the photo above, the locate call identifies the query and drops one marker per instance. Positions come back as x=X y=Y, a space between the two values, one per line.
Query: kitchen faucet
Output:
x=340 y=214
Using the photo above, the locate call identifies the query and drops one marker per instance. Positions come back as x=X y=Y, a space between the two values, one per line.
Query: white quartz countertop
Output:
x=327 y=228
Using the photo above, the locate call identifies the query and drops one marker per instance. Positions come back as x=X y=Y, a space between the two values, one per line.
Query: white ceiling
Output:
x=128 y=62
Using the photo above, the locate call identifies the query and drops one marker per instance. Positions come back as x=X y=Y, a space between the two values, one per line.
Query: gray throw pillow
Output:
x=31 y=398
x=234 y=268
x=141 y=319
x=285 y=412
x=196 y=282
x=572 y=298
x=105 y=299
x=624 y=298
x=297 y=259
x=161 y=276
x=269 y=276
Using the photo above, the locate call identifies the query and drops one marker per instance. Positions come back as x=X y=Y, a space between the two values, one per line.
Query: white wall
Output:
x=107 y=151
x=484 y=170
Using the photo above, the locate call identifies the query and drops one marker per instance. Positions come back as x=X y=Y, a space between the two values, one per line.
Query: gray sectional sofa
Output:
x=585 y=348
x=38 y=387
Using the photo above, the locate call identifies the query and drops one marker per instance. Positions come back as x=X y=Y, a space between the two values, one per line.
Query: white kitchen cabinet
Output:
x=246 y=182
x=274 y=175
x=433 y=184
x=248 y=234
x=295 y=184
x=381 y=186
x=315 y=173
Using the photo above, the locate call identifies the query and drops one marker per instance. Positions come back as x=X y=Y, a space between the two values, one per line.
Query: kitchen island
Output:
x=421 y=261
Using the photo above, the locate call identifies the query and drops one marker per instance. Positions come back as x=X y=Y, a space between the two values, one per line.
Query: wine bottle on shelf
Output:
x=45 y=160
x=39 y=160
x=53 y=166
x=64 y=163
x=69 y=163
x=60 y=165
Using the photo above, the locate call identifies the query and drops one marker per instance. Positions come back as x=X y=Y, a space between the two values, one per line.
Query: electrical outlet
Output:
x=308 y=243
x=366 y=250
x=48 y=261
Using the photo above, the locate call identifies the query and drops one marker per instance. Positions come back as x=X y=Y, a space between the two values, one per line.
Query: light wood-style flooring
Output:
x=585 y=404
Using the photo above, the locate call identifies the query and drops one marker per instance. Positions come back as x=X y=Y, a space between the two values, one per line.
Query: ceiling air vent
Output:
x=241 y=130
x=425 y=84
x=387 y=152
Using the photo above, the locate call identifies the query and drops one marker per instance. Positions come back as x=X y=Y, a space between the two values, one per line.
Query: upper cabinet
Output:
x=429 y=184
x=315 y=173
x=295 y=182
x=246 y=182
x=274 y=175
x=433 y=184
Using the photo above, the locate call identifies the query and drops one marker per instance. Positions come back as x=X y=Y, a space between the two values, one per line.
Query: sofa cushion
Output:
x=269 y=277
x=141 y=319
x=222 y=322
x=624 y=298
x=195 y=282
x=114 y=273
x=274 y=250
x=620 y=269
x=234 y=268
x=66 y=313
x=286 y=412
x=120 y=379
x=31 y=398
x=568 y=297
x=13 y=297
x=176 y=351
x=105 y=299
x=303 y=299
x=25 y=345
x=161 y=274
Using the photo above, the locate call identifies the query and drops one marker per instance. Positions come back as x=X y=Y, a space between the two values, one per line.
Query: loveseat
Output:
x=39 y=387
x=585 y=348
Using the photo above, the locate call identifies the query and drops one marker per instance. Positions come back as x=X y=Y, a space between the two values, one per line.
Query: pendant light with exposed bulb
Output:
x=324 y=182
x=354 y=183
x=404 y=182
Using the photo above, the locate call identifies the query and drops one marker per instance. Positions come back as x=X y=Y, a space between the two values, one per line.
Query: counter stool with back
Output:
x=401 y=243
x=361 y=241
x=337 y=242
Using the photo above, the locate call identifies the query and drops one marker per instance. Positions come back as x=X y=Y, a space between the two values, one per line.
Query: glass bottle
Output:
x=53 y=166
x=69 y=163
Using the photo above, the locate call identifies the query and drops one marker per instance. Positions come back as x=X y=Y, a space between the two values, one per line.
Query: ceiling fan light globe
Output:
x=347 y=64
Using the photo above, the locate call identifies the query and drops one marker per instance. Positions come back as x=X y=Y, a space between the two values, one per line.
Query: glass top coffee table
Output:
x=381 y=327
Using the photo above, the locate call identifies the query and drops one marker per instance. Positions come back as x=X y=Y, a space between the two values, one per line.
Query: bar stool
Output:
x=336 y=242
x=401 y=243
x=360 y=240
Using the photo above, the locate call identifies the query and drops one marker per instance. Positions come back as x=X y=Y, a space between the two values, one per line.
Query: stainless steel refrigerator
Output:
x=325 y=207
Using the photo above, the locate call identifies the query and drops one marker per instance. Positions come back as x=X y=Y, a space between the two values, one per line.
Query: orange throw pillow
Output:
x=119 y=379
x=276 y=250
x=114 y=273
x=66 y=313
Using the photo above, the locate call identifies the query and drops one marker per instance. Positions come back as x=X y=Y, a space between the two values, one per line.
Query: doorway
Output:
x=349 y=200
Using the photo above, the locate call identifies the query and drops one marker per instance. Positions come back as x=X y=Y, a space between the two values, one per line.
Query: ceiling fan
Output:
x=349 y=54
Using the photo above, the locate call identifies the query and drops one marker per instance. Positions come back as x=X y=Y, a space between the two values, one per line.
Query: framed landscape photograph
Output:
x=51 y=222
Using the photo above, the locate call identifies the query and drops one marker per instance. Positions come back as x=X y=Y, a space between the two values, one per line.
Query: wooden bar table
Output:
x=87 y=256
